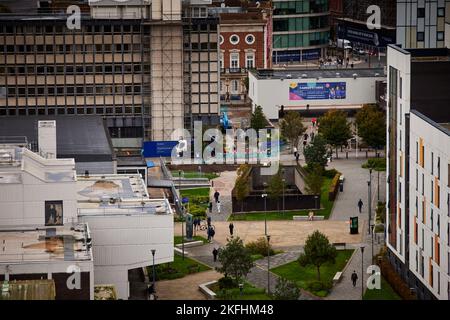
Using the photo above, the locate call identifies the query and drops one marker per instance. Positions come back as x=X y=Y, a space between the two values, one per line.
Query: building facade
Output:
x=418 y=169
x=421 y=23
x=301 y=30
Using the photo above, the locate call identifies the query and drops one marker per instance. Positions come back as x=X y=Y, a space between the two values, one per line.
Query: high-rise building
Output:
x=421 y=23
x=418 y=169
x=147 y=67
x=301 y=30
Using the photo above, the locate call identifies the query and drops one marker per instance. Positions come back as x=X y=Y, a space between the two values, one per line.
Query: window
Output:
x=234 y=60
x=400 y=91
x=417 y=152
x=432 y=162
x=439 y=168
x=250 y=39
x=440 y=36
x=220 y=39
x=53 y=213
x=250 y=60
x=441 y=12
x=432 y=191
x=222 y=64
x=420 y=12
x=420 y=36
x=423 y=184
x=417 y=179
x=234 y=86
x=234 y=39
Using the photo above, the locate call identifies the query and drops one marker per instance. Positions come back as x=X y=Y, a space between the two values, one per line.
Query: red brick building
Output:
x=245 y=43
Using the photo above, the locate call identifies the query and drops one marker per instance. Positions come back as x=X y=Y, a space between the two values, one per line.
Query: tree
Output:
x=316 y=152
x=241 y=186
x=371 y=124
x=286 y=290
x=314 y=179
x=258 y=120
x=317 y=251
x=292 y=127
x=276 y=186
x=235 y=259
x=335 y=129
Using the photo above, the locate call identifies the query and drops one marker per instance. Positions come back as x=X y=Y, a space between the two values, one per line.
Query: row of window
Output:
x=204 y=45
x=439 y=36
x=421 y=12
x=69 y=69
x=70 y=90
x=235 y=63
x=62 y=29
x=71 y=48
x=63 y=110
x=300 y=24
x=234 y=39
x=300 y=40
x=300 y=6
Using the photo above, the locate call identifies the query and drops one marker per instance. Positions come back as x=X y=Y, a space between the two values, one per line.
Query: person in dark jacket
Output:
x=360 y=205
x=354 y=278
x=215 y=252
x=216 y=196
x=231 y=226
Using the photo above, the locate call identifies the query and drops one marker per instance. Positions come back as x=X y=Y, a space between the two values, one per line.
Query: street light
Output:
x=182 y=215
x=154 y=274
x=378 y=186
x=264 y=195
x=241 y=288
x=283 y=171
x=362 y=272
x=268 y=264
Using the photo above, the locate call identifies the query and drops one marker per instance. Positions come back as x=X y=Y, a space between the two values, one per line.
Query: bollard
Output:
x=346 y=154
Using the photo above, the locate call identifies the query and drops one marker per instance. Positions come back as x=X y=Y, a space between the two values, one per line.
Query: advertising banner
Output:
x=317 y=91
x=154 y=149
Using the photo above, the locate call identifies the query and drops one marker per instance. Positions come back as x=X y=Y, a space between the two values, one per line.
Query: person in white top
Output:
x=218 y=206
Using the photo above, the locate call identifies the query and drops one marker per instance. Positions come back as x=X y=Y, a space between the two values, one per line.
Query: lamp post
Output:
x=264 y=195
x=154 y=274
x=182 y=215
x=378 y=186
x=369 y=185
x=362 y=272
x=268 y=264
x=284 y=181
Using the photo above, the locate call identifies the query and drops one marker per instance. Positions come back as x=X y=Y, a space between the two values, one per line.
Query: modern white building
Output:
x=53 y=223
x=418 y=166
x=314 y=90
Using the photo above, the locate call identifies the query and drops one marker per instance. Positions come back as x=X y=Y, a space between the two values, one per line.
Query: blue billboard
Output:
x=317 y=91
x=153 y=149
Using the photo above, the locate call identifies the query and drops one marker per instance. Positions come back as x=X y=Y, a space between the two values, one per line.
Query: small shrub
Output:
x=334 y=187
x=330 y=174
x=286 y=290
x=260 y=247
x=226 y=283
x=317 y=286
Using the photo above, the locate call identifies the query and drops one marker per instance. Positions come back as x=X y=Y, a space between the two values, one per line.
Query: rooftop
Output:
x=317 y=73
x=442 y=126
x=64 y=243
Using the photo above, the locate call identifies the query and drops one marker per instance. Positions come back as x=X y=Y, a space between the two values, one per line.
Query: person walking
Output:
x=212 y=233
x=215 y=252
x=295 y=152
x=297 y=157
x=218 y=206
x=208 y=232
x=208 y=221
x=216 y=196
x=210 y=205
x=354 y=278
x=360 y=205
x=231 y=227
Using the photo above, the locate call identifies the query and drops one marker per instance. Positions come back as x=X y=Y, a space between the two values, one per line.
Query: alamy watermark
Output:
x=374 y=20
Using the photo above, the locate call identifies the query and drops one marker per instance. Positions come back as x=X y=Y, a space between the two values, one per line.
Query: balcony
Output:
x=233 y=70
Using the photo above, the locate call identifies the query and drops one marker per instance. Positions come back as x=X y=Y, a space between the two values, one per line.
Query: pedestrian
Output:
x=297 y=157
x=354 y=278
x=210 y=207
x=231 y=226
x=208 y=232
x=208 y=221
x=216 y=196
x=212 y=233
x=218 y=206
x=305 y=136
x=215 y=252
x=295 y=152
x=312 y=136
x=360 y=204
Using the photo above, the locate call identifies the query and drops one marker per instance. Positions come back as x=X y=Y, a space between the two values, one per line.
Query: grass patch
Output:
x=385 y=293
x=326 y=206
x=249 y=292
x=177 y=239
x=256 y=257
x=197 y=192
x=178 y=268
x=303 y=276
x=196 y=175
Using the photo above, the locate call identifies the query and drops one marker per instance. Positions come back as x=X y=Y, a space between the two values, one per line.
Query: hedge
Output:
x=334 y=187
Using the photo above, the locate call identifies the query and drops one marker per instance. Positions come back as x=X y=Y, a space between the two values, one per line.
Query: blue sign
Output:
x=317 y=91
x=185 y=200
x=154 y=149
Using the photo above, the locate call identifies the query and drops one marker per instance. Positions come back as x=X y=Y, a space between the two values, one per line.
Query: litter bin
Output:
x=353 y=225
x=341 y=183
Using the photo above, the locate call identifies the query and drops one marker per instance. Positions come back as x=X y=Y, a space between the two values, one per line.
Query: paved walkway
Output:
x=224 y=184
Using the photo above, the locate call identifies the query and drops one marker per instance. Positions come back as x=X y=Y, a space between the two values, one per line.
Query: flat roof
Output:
x=84 y=138
x=301 y=74
x=45 y=244
x=442 y=126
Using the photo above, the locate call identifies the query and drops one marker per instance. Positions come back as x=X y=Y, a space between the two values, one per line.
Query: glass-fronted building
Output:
x=301 y=30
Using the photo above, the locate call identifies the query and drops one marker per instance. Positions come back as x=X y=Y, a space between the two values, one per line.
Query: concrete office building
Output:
x=147 y=67
x=317 y=90
x=418 y=167
x=421 y=23
x=301 y=30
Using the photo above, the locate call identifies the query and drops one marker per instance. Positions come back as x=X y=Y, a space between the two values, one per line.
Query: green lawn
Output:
x=202 y=192
x=385 y=293
x=287 y=215
x=178 y=268
x=249 y=292
x=177 y=239
x=302 y=275
x=195 y=175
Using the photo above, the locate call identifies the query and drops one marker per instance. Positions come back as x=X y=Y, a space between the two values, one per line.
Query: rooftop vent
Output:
x=304 y=75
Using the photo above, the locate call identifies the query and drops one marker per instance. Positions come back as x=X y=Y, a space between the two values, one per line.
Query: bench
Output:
x=189 y=244
x=306 y=218
x=337 y=277
x=342 y=245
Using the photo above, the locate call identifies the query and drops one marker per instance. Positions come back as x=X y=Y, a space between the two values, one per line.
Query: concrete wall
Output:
x=125 y=242
x=271 y=93
x=105 y=167
x=433 y=223
x=447 y=34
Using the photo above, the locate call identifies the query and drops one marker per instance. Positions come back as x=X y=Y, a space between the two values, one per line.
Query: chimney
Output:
x=47 y=138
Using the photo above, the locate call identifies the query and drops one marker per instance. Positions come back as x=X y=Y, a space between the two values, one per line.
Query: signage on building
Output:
x=376 y=38
x=317 y=91
x=152 y=149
